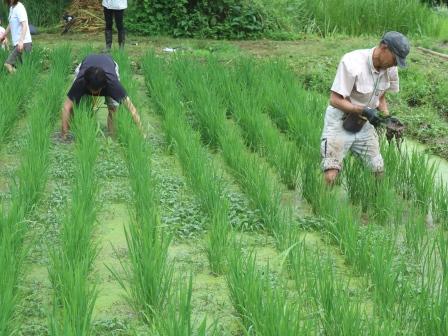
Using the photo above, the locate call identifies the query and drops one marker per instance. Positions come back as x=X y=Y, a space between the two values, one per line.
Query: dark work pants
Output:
x=109 y=15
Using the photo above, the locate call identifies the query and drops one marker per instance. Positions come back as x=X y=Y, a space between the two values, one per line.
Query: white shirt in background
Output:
x=115 y=4
x=17 y=15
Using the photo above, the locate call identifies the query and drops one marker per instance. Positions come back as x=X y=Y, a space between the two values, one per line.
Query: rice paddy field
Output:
x=215 y=220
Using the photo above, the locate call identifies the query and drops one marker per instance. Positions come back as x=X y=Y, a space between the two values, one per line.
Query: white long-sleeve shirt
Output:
x=115 y=4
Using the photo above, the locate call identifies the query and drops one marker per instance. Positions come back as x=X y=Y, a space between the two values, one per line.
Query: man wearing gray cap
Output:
x=358 y=101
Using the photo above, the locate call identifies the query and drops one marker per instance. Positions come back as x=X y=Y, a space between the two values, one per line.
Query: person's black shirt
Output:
x=113 y=88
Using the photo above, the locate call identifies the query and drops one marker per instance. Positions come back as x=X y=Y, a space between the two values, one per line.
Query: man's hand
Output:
x=20 y=46
x=372 y=116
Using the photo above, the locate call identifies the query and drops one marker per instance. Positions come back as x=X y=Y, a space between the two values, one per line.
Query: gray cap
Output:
x=398 y=44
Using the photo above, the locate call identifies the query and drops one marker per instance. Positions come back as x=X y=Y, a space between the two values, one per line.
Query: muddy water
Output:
x=440 y=163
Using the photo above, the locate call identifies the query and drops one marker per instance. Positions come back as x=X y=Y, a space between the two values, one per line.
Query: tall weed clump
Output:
x=149 y=275
x=373 y=17
x=72 y=260
x=201 y=174
x=30 y=181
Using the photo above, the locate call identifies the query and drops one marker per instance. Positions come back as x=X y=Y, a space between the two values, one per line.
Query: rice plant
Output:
x=30 y=181
x=71 y=261
x=264 y=307
x=440 y=205
x=176 y=320
x=416 y=233
x=338 y=314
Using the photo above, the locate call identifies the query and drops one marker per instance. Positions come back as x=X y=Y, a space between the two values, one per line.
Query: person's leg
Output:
x=333 y=149
x=367 y=146
x=119 y=22
x=108 y=17
x=11 y=61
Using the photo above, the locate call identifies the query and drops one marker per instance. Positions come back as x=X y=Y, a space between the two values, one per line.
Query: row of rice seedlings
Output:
x=254 y=177
x=30 y=180
x=256 y=124
x=201 y=175
x=243 y=94
x=246 y=171
x=72 y=259
x=162 y=90
x=276 y=299
x=429 y=312
x=14 y=93
x=331 y=299
x=375 y=196
x=148 y=274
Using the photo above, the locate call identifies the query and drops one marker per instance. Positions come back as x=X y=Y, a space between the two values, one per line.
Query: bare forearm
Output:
x=344 y=105
x=67 y=111
x=133 y=111
x=383 y=107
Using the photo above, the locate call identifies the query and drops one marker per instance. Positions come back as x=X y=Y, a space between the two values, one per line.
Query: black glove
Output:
x=372 y=116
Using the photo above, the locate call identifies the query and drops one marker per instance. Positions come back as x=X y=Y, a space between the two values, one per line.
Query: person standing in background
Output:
x=20 y=33
x=114 y=8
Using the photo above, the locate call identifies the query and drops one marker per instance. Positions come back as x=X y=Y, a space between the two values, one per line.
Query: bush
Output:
x=233 y=19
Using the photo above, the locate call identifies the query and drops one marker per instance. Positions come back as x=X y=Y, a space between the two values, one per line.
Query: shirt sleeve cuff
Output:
x=394 y=87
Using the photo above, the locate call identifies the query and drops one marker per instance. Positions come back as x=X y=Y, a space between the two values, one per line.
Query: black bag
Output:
x=353 y=123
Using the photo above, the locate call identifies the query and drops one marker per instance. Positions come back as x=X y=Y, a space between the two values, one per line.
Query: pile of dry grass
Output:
x=88 y=16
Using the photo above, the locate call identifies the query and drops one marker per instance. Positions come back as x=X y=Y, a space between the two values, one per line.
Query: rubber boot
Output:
x=121 y=38
x=108 y=36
